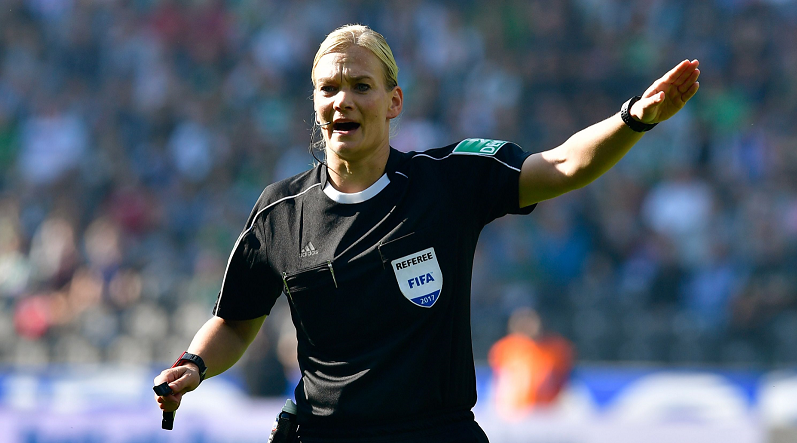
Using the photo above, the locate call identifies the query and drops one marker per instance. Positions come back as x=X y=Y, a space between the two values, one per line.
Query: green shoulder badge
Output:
x=479 y=146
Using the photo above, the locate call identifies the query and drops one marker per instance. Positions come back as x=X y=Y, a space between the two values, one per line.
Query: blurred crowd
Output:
x=136 y=135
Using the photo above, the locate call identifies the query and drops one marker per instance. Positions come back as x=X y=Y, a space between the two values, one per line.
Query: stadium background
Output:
x=136 y=135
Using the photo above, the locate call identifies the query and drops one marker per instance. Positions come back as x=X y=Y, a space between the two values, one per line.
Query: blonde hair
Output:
x=360 y=35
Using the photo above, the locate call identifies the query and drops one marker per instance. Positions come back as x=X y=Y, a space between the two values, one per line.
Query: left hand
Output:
x=667 y=95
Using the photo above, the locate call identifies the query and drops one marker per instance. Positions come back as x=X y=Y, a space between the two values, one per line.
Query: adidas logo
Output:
x=308 y=250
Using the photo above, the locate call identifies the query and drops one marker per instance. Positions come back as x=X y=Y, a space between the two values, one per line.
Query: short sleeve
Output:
x=489 y=176
x=250 y=287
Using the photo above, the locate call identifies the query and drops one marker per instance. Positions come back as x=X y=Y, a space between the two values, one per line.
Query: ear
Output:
x=396 y=103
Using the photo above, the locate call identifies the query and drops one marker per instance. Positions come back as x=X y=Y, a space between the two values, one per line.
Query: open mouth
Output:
x=345 y=126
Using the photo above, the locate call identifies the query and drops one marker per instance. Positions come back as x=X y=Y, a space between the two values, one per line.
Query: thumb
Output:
x=653 y=100
x=182 y=379
x=659 y=97
x=646 y=108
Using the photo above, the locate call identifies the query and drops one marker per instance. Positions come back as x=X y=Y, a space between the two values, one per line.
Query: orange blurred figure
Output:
x=529 y=368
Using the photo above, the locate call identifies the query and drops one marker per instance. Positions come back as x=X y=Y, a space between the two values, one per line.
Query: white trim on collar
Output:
x=357 y=197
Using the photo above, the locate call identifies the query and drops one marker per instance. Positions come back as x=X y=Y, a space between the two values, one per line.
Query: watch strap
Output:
x=195 y=359
x=631 y=122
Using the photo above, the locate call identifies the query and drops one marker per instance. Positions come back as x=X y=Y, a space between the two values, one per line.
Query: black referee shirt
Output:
x=379 y=285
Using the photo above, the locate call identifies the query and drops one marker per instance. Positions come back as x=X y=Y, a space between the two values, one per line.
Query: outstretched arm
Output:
x=220 y=343
x=589 y=153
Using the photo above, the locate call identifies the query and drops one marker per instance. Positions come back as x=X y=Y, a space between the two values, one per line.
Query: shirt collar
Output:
x=357 y=197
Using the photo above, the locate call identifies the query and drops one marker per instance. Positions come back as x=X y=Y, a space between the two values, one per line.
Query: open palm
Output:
x=667 y=95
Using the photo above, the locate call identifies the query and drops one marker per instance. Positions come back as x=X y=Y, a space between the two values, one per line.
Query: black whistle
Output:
x=162 y=390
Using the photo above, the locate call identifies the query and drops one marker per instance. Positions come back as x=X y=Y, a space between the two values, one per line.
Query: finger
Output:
x=676 y=72
x=684 y=74
x=676 y=76
x=173 y=376
x=658 y=87
x=686 y=77
x=169 y=398
x=187 y=381
x=665 y=83
x=170 y=402
x=166 y=399
x=689 y=81
x=169 y=375
x=691 y=91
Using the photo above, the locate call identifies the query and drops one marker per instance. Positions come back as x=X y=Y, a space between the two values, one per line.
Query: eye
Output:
x=362 y=87
x=327 y=89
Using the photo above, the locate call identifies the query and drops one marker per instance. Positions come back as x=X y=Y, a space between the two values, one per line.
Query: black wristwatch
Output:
x=195 y=359
x=631 y=122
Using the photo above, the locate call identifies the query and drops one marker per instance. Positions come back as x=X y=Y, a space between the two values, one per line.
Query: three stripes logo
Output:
x=308 y=250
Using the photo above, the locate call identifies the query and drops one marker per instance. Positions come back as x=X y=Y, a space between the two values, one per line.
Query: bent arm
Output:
x=222 y=342
x=591 y=152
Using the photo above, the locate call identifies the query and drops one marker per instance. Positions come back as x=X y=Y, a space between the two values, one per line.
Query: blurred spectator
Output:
x=54 y=142
x=681 y=208
x=530 y=368
x=103 y=246
x=53 y=252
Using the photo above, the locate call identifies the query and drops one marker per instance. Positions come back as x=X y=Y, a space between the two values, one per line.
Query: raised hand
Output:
x=667 y=95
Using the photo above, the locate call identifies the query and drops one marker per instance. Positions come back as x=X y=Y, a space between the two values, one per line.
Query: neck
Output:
x=350 y=175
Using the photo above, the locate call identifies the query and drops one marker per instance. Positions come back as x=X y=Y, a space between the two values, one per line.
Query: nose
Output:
x=342 y=100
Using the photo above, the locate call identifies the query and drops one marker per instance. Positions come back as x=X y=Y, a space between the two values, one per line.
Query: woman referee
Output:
x=374 y=251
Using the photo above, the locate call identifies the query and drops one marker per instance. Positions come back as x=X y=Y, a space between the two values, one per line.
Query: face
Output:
x=350 y=92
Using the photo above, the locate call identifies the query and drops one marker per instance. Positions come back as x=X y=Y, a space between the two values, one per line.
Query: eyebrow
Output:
x=361 y=77
x=354 y=78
